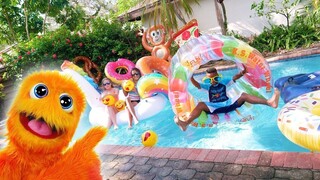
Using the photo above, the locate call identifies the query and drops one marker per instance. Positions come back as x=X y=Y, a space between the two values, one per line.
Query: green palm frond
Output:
x=165 y=11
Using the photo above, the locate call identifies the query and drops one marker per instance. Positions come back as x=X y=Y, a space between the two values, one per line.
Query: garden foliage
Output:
x=302 y=32
x=104 y=42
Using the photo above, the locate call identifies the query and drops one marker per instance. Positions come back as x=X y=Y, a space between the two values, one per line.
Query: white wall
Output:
x=240 y=17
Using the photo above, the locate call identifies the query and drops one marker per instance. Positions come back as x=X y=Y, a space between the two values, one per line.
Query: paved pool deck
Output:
x=130 y=162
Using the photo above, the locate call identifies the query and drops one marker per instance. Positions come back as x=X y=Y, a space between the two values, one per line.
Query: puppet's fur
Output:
x=29 y=155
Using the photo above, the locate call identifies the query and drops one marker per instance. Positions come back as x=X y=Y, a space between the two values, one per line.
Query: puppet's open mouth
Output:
x=38 y=127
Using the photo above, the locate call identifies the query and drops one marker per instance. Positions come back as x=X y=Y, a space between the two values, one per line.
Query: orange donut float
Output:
x=151 y=64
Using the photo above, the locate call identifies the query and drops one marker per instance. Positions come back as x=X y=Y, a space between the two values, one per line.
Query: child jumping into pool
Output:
x=219 y=102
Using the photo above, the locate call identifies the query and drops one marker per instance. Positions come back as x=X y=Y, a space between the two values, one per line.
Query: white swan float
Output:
x=99 y=115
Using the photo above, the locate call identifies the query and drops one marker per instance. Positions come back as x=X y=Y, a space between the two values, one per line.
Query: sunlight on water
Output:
x=261 y=133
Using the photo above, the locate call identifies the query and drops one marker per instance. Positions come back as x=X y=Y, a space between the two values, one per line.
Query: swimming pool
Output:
x=260 y=134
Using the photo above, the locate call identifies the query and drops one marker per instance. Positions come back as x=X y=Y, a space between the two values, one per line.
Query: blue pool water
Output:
x=260 y=134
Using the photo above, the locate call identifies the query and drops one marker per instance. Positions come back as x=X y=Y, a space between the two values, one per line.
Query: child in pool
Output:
x=108 y=89
x=219 y=102
x=132 y=97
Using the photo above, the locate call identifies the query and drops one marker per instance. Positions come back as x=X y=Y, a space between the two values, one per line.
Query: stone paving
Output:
x=139 y=167
x=132 y=162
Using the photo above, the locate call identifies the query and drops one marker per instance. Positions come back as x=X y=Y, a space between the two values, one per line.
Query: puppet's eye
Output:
x=66 y=102
x=39 y=91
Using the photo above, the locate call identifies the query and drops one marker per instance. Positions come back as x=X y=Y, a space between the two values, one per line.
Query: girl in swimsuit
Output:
x=132 y=97
x=108 y=89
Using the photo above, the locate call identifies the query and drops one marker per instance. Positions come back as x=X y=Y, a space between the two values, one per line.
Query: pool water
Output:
x=262 y=133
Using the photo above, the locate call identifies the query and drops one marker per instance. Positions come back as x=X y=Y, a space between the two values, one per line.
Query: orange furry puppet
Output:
x=41 y=123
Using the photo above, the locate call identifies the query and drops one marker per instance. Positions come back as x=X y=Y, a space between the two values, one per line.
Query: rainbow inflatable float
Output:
x=299 y=120
x=153 y=90
x=152 y=84
x=197 y=51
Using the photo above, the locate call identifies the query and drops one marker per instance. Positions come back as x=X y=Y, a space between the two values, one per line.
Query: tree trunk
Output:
x=13 y=36
x=225 y=22
x=45 y=19
x=219 y=18
x=26 y=18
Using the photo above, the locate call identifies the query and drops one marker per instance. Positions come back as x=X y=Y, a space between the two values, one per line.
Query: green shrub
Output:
x=107 y=41
x=1 y=92
x=302 y=32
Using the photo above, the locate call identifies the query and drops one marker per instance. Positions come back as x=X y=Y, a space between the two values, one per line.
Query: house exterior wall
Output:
x=240 y=18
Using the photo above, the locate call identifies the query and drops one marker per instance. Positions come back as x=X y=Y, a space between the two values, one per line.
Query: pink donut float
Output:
x=119 y=70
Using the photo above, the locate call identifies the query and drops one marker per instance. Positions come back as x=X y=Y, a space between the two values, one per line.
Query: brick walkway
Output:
x=126 y=162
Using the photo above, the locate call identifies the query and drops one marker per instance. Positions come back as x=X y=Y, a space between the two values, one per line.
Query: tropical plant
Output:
x=163 y=11
x=1 y=92
x=22 y=20
x=2 y=105
x=9 y=20
x=268 y=8
x=302 y=33
x=107 y=41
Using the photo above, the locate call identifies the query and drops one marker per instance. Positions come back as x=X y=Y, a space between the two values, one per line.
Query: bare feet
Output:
x=274 y=100
x=135 y=120
x=182 y=125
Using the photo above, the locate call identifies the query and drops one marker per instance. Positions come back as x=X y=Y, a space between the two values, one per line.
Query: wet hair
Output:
x=136 y=69
x=211 y=70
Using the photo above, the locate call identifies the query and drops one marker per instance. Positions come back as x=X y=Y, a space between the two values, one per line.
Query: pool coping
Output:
x=301 y=160
x=285 y=56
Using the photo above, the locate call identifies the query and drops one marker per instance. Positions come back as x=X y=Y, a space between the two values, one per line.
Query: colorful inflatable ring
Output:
x=299 y=120
x=151 y=84
x=150 y=64
x=113 y=70
x=198 y=51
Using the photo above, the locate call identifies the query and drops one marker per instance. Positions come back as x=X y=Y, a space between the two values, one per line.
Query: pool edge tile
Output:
x=265 y=158
x=278 y=159
x=253 y=158
x=242 y=157
x=316 y=161
x=221 y=156
x=232 y=156
x=203 y=154
x=211 y=155
x=304 y=160
x=291 y=160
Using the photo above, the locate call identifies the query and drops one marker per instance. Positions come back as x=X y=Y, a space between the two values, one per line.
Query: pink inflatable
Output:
x=119 y=70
